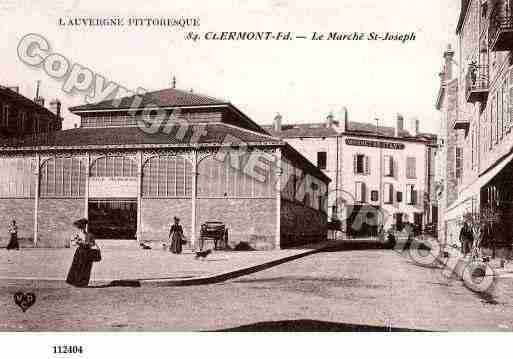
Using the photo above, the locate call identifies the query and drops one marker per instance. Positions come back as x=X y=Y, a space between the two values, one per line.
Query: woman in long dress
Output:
x=176 y=235
x=80 y=270
x=13 y=242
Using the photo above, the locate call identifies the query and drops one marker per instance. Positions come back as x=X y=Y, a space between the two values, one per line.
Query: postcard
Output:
x=174 y=168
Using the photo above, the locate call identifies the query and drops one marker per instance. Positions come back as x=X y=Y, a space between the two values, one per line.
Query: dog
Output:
x=145 y=246
x=202 y=254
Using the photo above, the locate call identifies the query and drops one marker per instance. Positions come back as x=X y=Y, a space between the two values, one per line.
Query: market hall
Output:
x=210 y=162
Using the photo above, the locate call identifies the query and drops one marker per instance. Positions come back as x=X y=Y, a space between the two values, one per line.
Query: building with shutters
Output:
x=131 y=168
x=380 y=175
x=475 y=100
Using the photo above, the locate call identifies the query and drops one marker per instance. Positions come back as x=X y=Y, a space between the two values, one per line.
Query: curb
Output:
x=161 y=282
x=203 y=280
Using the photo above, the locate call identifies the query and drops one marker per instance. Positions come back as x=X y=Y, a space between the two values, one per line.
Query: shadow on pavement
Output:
x=305 y=325
x=118 y=283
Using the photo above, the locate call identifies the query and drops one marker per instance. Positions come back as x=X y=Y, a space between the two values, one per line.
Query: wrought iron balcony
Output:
x=500 y=30
x=476 y=84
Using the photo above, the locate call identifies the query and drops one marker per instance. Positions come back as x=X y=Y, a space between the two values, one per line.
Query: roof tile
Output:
x=126 y=136
x=162 y=98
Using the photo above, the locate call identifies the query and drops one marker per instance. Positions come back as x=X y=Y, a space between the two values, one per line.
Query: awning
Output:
x=457 y=209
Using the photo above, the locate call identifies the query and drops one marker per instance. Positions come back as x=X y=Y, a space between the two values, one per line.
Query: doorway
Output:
x=399 y=224
x=418 y=222
x=113 y=219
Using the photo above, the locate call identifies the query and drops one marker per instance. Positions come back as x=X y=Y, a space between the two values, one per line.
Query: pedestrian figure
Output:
x=80 y=270
x=408 y=233
x=13 y=232
x=466 y=239
x=176 y=236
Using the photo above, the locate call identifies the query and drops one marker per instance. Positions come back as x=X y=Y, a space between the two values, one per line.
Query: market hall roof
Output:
x=162 y=98
x=167 y=99
x=173 y=135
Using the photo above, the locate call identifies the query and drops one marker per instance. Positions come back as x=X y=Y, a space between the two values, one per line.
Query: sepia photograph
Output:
x=267 y=166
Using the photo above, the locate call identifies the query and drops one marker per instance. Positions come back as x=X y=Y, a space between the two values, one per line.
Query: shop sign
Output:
x=377 y=144
x=113 y=187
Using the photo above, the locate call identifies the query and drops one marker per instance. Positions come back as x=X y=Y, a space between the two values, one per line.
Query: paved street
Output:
x=349 y=290
x=132 y=263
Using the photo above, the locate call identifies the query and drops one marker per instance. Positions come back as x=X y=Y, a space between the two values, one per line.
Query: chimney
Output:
x=55 y=107
x=343 y=118
x=173 y=82
x=399 y=126
x=448 y=66
x=330 y=119
x=40 y=101
x=277 y=123
x=414 y=127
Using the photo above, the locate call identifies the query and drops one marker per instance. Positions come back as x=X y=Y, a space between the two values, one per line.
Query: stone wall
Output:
x=55 y=221
x=301 y=225
x=248 y=220
x=22 y=211
x=157 y=217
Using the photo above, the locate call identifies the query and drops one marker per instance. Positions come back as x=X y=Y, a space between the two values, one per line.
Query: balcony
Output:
x=500 y=31
x=476 y=84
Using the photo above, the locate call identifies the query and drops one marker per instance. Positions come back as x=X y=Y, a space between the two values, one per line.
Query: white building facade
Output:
x=380 y=175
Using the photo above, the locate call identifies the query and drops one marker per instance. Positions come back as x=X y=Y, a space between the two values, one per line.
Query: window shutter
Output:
x=355 y=164
x=386 y=165
x=410 y=167
x=367 y=165
x=389 y=193
x=413 y=196
x=360 y=192
x=391 y=165
x=408 y=194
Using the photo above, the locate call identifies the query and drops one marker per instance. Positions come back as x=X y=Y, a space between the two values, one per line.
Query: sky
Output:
x=303 y=80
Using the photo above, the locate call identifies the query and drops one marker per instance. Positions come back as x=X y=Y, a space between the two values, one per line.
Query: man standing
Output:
x=466 y=239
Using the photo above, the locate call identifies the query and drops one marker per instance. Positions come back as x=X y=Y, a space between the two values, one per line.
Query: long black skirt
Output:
x=80 y=270
x=176 y=243
x=13 y=243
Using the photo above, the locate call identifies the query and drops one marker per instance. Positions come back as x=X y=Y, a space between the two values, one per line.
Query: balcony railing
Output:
x=476 y=84
x=500 y=30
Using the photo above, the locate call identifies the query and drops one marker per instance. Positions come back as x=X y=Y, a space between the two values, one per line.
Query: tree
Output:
x=481 y=224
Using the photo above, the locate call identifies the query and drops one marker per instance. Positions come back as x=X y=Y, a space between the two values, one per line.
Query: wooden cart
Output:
x=214 y=231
